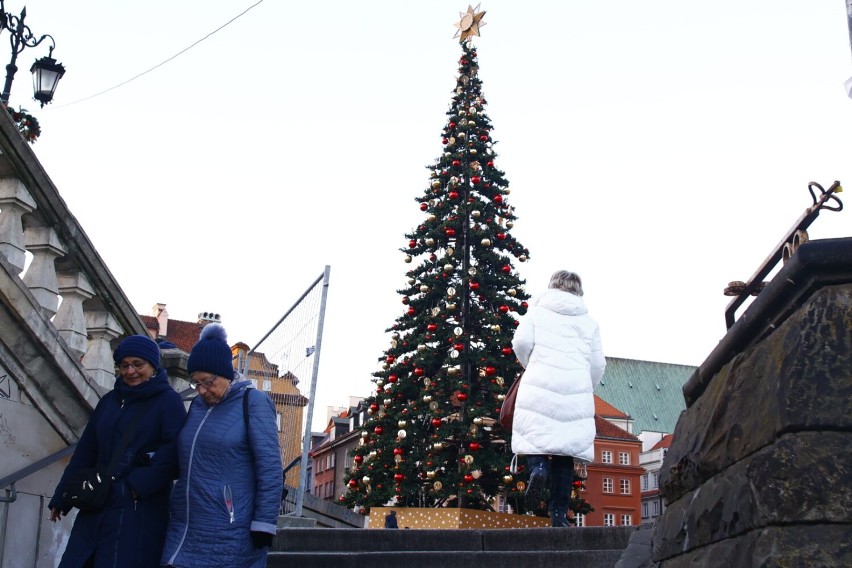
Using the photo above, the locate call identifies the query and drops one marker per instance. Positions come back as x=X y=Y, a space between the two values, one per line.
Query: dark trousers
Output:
x=559 y=471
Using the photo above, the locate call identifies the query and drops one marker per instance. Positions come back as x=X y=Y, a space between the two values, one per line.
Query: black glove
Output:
x=261 y=539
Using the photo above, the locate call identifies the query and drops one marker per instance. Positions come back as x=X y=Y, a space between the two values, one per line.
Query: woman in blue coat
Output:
x=224 y=507
x=129 y=531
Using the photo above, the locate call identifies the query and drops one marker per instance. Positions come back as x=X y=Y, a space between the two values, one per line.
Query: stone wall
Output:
x=760 y=467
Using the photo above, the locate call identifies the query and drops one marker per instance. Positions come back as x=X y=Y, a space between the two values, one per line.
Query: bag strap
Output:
x=246 y=418
x=125 y=439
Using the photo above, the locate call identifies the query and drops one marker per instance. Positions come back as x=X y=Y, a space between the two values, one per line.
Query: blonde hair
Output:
x=567 y=282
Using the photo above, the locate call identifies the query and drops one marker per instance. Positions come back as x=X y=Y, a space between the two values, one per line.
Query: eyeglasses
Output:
x=135 y=365
x=206 y=383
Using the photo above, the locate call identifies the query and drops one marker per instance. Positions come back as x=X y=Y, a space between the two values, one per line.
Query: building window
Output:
x=656 y=478
x=579 y=520
x=331 y=460
x=606 y=456
x=607 y=485
x=624 y=458
x=625 y=486
x=609 y=519
x=656 y=508
x=645 y=482
x=626 y=520
x=267 y=385
x=644 y=510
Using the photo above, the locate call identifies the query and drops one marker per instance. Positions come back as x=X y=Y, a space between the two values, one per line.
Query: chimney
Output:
x=208 y=317
x=159 y=312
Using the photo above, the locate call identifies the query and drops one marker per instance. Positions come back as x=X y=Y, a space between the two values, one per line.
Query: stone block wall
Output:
x=760 y=469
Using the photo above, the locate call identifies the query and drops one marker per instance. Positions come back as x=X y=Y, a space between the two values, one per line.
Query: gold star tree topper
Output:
x=469 y=23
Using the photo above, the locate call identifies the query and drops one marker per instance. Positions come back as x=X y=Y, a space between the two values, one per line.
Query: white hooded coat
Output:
x=559 y=346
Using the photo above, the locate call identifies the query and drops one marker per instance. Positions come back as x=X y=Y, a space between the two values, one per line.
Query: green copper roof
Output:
x=650 y=392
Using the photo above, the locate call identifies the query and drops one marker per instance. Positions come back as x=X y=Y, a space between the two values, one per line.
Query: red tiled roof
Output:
x=664 y=443
x=606 y=429
x=604 y=408
x=184 y=334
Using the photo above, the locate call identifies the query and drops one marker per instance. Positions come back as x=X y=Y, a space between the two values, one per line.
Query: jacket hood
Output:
x=562 y=302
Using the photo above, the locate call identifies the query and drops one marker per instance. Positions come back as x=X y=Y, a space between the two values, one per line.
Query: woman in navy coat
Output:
x=224 y=507
x=129 y=531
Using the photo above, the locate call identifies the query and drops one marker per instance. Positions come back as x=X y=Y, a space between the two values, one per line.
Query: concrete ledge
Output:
x=452 y=559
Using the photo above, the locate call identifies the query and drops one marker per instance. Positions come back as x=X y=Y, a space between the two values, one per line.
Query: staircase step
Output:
x=446 y=559
x=351 y=541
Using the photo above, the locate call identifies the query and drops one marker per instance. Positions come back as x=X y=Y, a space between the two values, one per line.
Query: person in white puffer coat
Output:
x=559 y=345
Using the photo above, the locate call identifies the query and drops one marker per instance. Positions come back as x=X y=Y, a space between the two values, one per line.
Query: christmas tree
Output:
x=432 y=438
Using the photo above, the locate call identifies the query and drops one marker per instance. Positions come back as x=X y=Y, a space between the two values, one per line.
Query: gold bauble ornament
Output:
x=507 y=191
x=512 y=291
x=453 y=371
x=468 y=459
x=365 y=480
x=372 y=454
x=433 y=406
x=507 y=479
x=408 y=259
x=364 y=434
x=451 y=251
x=430 y=242
x=438 y=446
x=397 y=458
x=427 y=398
x=473 y=151
x=411 y=281
x=430 y=474
x=510 y=224
x=402 y=424
x=451 y=292
x=496 y=328
x=421 y=348
x=448 y=268
x=501 y=396
x=380 y=383
x=438 y=485
x=395 y=335
x=431 y=218
x=387 y=402
x=476 y=213
x=436 y=184
x=385 y=366
x=477 y=420
x=451 y=307
x=472 y=271
x=458 y=331
x=486 y=242
x=427 y=382
x=522 y=258
x=401 y=434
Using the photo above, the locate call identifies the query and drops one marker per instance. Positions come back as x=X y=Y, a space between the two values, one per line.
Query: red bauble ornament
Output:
x=504 y=309
x=398 y=477
x=452 y=125
x=468 y=478
x=454 y=195
x=459 y=346
x=475 y=180
x=498 y=199
x=398 y=451
x=501 y=236
x=506 y=268
x=405 y=300
x=392 y=378
x=431 y=327
x=359 y=459
x=445 y=141
x=450 y=232
x=412 y=243
x=490 y=370
x=424 y=206
x=506 y=351
x=353 y=484
x=461 y=396
x=456 y=163
x=474 y=446
x=433 y=257
x=474 y=285
x=411 y=311
x=418 y=372
x=524 y=305
x=436 y=422
x=490 y=163
x=374 y=407
x=378 y=430
x=483 y=138
x=390 y=359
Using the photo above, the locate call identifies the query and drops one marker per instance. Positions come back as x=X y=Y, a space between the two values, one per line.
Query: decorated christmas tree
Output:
x=432 y=438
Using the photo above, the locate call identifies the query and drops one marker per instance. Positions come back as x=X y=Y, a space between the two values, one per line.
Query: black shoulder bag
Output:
x=88 y=488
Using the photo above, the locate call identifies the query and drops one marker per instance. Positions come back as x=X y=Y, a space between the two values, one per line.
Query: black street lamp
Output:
x=46 y=71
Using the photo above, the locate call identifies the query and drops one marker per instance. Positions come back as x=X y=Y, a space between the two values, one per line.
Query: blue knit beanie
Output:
x=212 y=354
x=140 y=346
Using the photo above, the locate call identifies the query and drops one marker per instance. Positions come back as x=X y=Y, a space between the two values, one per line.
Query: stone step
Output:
x=351 y=541
x=446 y=559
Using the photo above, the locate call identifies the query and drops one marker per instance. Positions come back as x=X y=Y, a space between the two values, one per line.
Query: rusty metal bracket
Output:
x=796 y=236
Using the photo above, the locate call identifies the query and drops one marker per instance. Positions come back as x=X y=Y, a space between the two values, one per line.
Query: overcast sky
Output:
x=659 y=148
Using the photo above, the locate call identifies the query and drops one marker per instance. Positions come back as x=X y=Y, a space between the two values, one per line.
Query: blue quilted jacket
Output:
x=230 y=482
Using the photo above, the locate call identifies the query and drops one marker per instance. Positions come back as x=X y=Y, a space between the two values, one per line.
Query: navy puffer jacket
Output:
x=127 y=532
x=230 y=482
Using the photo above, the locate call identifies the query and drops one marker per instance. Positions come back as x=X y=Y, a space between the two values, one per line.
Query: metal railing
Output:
x=796 y=236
